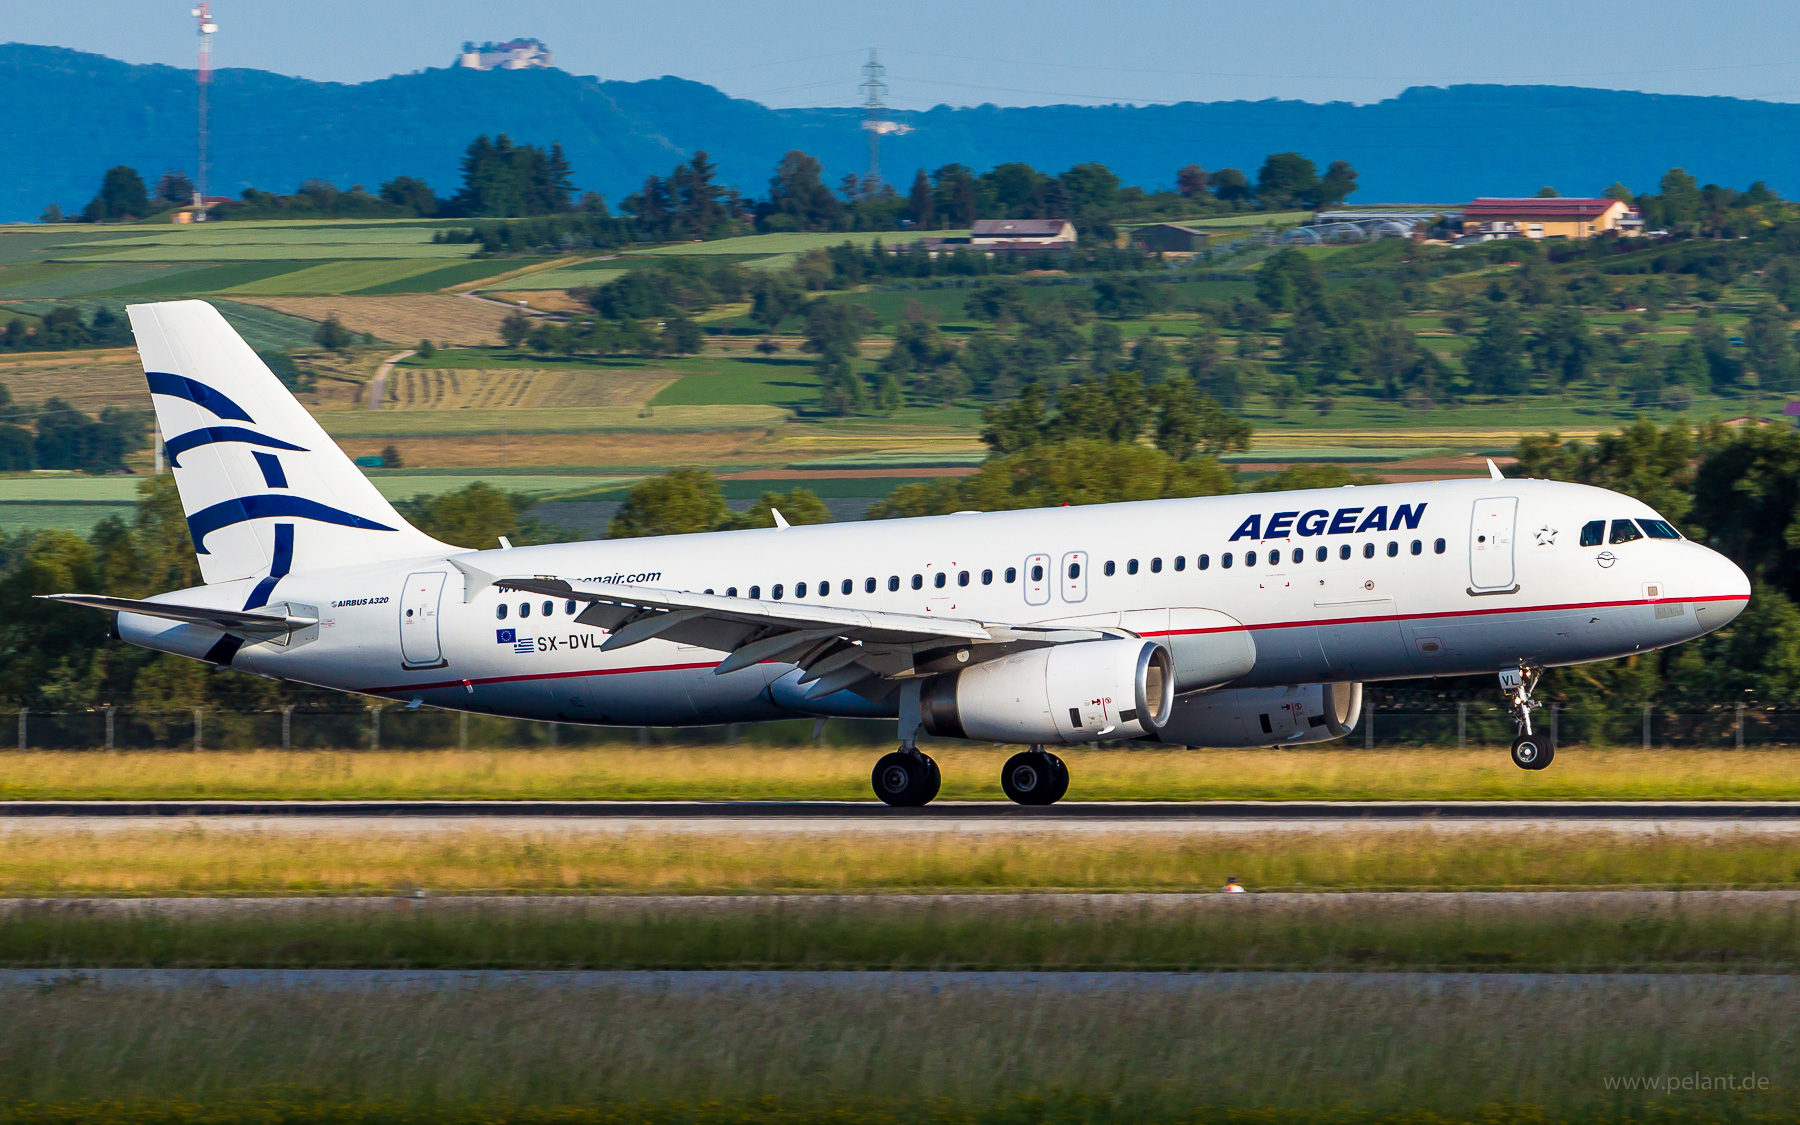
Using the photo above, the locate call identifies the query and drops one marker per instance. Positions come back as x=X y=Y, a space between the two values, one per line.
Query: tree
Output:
x=1287 y=180
x=514 y=328
x=1338 y=184
x=52 y=214
x=1619 y=192
x=678 y=503
x=501 y=179
x=698 y=209
x=390 y=457
x=1191 y=181
x=1548 y=193
x=798 y=197
x=1496 y=362
x=1231 y=186
x=414 y=195
x=1073 y=472
x=122 y=196
x=919 y=201
x=332 y=335
x=1288 y=280
x=681 y=336
x=174 y=187
x=1681 y=202
x=799 y=506
x=956 y=194
x=474 y=517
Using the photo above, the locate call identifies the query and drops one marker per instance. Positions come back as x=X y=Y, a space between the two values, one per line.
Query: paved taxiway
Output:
x=748 y=817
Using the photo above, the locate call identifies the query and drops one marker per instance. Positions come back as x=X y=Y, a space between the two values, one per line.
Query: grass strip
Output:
x=1537 y=933
x=200 y=858
x=1295 y=1050
x=614 y=772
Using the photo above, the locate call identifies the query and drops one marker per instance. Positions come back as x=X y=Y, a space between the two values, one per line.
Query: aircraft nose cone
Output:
x=1728 y=588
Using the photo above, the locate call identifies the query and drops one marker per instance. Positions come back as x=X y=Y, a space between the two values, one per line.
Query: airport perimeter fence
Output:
x=396 y=727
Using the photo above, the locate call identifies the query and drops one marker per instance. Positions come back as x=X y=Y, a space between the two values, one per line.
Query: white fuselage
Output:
x=1450 y=578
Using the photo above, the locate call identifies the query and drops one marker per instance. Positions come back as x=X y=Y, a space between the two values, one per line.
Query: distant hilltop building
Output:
x=515 y=54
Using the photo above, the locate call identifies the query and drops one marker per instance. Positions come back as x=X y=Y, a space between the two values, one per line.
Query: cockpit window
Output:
x=1593 y=533
x=1659 y=529
x=1624 y=531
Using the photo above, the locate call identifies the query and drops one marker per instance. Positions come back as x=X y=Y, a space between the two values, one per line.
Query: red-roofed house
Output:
x=1553 y=217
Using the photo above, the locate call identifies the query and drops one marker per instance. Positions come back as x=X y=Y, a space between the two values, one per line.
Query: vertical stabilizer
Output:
x=264 y=489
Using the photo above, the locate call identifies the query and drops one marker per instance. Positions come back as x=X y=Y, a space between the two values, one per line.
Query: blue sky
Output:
x=1011 y=52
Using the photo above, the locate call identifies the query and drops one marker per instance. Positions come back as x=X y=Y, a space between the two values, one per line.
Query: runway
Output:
x=749 y=817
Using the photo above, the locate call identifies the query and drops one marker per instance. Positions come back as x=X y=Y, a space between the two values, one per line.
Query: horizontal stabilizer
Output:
x=232 y=620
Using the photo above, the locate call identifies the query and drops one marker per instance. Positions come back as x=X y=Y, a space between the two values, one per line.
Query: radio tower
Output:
x=873 y=88
x=203 y=14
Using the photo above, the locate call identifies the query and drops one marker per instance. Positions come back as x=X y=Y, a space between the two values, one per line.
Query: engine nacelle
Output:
x=1276 y=716
x=1068 y=693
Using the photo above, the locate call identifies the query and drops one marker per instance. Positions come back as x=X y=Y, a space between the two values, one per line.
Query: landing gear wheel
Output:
x=1532 y=752
x=906 y=779
x=1034 y=778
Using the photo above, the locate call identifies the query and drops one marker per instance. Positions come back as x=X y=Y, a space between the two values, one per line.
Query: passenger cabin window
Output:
x=1624 y=531
x=1368 y=550
x=1155 y=567
x=569 y=606
x=1111 y=567
x=1224 y=560
x=1344 y=551
x=1659 y=529
x=938 y=579
x=799 y=590
x=775 y=591
x=1131 y=566
x=849 y=586
x=1037 y=573
x=1593 y=533
x=755 y=592
x=1393 y=549
x=1274 y=558
x=1418 y=548
x=549 y=609
x=500 y=611
x=893 y=583
x=1438 y=547
x=1180 y=563
x=962 y=578
x=868 y=585
x=731 y=592
x=1322 y=554
x=987 y=578
x=1012 y=575
x=1074 y=570
x=524 y=609
x=1299 y=554
x=1249 y=558
x=918 y=582
x=1202 y=562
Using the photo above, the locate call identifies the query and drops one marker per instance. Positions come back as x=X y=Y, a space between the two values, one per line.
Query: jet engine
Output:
x=1081 y=692
x=1277 y=716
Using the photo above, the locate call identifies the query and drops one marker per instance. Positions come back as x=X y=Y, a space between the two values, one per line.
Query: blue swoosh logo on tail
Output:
x=210 y=435
x=196 y=392
x=245 y=508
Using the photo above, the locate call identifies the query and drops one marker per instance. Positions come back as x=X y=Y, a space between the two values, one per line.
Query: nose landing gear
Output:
x=1529 y=751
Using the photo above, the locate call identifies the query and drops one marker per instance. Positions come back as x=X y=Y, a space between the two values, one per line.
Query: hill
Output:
x=70 y=115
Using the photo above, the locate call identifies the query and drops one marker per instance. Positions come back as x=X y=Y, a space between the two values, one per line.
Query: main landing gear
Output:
x=907 y=778
x=1529 y=751
x=1035 y=777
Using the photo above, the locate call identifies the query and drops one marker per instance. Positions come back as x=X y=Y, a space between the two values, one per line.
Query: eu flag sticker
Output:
x=505 y=636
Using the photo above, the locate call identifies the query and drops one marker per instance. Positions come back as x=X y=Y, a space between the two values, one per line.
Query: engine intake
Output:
x=1067 y=693
x=1277 y=716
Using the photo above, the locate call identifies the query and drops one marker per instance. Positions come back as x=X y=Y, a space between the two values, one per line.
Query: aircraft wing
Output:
x=839 y=648
x=232 y=620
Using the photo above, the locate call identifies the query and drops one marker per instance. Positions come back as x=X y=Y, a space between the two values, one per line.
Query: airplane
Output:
x=1243 y=620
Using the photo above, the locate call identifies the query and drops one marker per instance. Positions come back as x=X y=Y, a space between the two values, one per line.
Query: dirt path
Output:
x=378 y=385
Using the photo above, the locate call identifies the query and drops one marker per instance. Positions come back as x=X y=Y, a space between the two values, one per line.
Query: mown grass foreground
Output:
x=767 y=773
x=214 y=858
x=1268 y=1051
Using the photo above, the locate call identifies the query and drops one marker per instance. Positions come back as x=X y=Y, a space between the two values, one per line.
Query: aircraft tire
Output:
x=906 y=780
x=1532 y=752
x=1034 y=777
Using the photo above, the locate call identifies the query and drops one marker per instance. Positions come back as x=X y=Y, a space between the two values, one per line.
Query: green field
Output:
x=761 y=244
x=789 y=383
x=445 y=423
x=334 y=278
x=443 y=277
